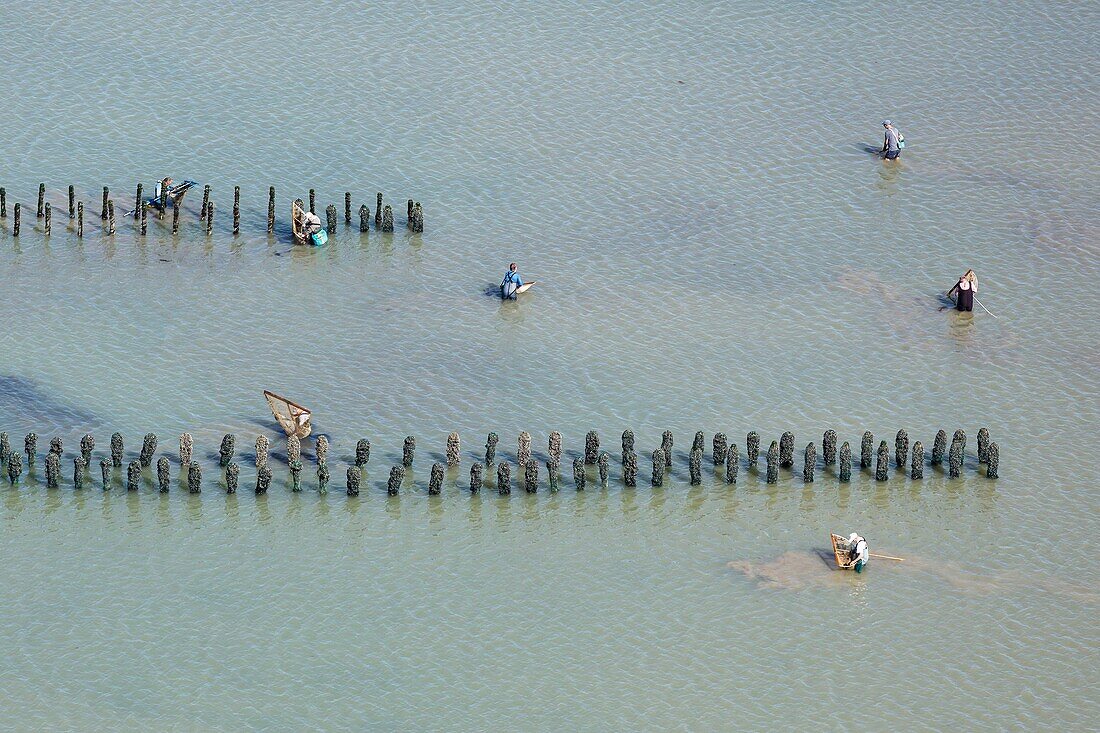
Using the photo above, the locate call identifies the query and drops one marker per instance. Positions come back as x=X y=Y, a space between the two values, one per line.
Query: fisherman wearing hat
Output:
x=857 y=550
x=891 y=145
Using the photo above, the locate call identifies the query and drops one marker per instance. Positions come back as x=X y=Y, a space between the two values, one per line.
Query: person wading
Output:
x=893 y=142
x=858 y=551
x=512 y=284
x=964 y=290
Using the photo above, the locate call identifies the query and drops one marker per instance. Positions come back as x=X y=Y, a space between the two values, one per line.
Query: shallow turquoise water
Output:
x=717 y=254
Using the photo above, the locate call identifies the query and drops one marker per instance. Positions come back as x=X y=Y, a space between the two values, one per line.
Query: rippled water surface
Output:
x=717 y=250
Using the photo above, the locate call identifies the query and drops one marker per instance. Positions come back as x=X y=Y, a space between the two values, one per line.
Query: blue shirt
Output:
x=513 y=277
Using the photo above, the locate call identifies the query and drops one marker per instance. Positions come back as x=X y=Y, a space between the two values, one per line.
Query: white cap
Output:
x=853 y=537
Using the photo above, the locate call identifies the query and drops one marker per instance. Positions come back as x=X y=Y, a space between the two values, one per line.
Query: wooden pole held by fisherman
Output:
x=887 y=557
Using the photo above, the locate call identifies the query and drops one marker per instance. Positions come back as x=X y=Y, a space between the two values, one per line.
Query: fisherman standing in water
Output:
x=857 y=551
x=964 y=290
x=893 y=142
x=512 y=284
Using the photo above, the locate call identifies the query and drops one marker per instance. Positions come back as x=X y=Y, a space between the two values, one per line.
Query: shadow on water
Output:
x=24 y=398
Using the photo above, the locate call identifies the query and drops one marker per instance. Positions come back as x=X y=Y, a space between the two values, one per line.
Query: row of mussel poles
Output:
x=383 y=214
x=780 y=454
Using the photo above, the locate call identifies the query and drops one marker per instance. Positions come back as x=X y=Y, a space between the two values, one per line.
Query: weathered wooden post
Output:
x=523 y=449
x=225 y=453
x=604 y=464
x=992 y=461
x=865 y=450
x=187 y=447
x=137 y=201
x=666 y=447
x=79 y=465
x=752 y=447
x=916 y=468
x=378 y=212
x=194 y=478
x=312 y=201
x=630 y=469
x=87 y=445
x=80 y=219
x=5 y=448
x=476 y=479
x=364 y=218
x=15 y=467
x=695 y=466
x=205 y=202
x=579 y=476
x=15 y=223
x=397 y=475
x=322 y=448
x=56 y=446
x=960 y=437
x=773 y=463
x=105 y=472
x=296 y=474
x=106 y=196
x=210 y=219
x=236 y=210
x=809 y=463
x=719 y=447
x=491 y=449
x=347 y=207
x=4 y=202
x=418 y=217
x=144 y=219
x=591 y=447
x=263 y=450
x=330 y=216
x=939 y=448
x=110 y=217
x=362 y=452
x=628 y=443
x=53 y=471
x=116 y=450
x=409 y=215
x=698 y=442
x=553 y=446
x=164 y=476
x=233 y=477
x=786 y=450
x=72 y=201
x=163 y=202
x=387 y=219
x=30 y=447
x=882 y=469
x=531 y=476
x=504 y=478
x=732 y=464
x=175 y=219
x=828 y=447
x=901 y=448
x=983 y=444
x=658 y=476
x=47 y=223
x=133 y=476
x=322 y=478
x=148 y=448
x=407 y=451
x=435 y=481
x=355 y=478
x=41 y=200
x=955 y=459
x=270 y=209
x=263 y=480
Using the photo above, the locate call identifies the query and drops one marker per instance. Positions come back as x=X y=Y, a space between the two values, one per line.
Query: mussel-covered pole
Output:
x=828 y=447
x=263 y=450
x=531 y=476
x=233 y=477
x=490 y=447
x=295 y=475
x=666 y=447
x=148 y=449
x=916 y=468
x=105 y=472
x=435 y=480
x=110 y=217
x=699 y=442
x=983 y=444
x=628 y=443
x=30 y=447
x=236 y=209
x=604 y=465
x=263 y=480
x=362 y=452
x=866 y=448
x=387 y=219
x=4 y=202
x=397 y=476
x=137 y=202
x=210 y=218
x=901 y=448
x=355 y=478
x=939 y=448
x=80 y=219
x=658 y=476
x=407 y=451
x=293 y=448
x=378 y=212
x=225 y=453
x=992 y=461
x=719 y=446
x=205 y=202
x=579 y=476
x=322 y=448
x=476 y=478
x=144 y=213
x=591 y=447
x=106 y=196
x=53 y=470
x=695 y=466
x=47 y=223
x=175 y=219
x=322 y=478
x=752 y=447
x=364 y=218
x=133 y=476
x=955 y=459
x=270 y=209
x=331 y=218
x=164 y=475
x=15 y=467
x=786 y=450
x=5 y=448
x=72 y=201
x=187 y=447
x=41 y=200
x=809 y=463
x=630 y=469
x=553 y=446
x=504 y=478
x=15 y=222
x=87 y=445
x=773 y=463
x=732 y=464
x=194 y=478
x=347 y=207
x=523 y=449
x=79 y=465
x=312 y=201
x=882 y=470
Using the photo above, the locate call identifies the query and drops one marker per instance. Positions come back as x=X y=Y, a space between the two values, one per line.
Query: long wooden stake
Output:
x=887 y=557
